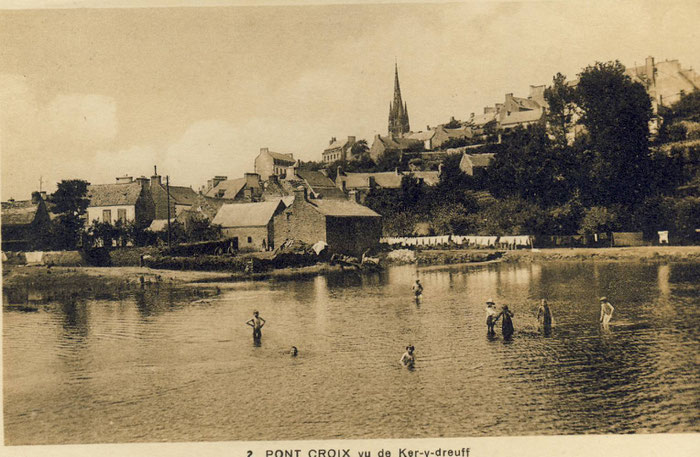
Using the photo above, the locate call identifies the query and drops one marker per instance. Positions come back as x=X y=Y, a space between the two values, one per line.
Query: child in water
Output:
x=606 y=311
x=408 y=359
x=544 y=317
x=490 y=316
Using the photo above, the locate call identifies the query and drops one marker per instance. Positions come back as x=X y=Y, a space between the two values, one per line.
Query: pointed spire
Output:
x=398 y=113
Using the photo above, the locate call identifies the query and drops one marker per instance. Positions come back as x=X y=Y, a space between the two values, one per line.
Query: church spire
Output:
x=398 y=113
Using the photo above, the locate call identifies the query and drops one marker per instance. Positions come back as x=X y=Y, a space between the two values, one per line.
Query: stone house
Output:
x=127 y=200
x=345 y=225
x=250 y=225
x=25 y=223
x=181 y=198
x=665 y=81
x=338 y=150
x=249 y=188
x=382 y=144
x=473 y=162
x=269 y=163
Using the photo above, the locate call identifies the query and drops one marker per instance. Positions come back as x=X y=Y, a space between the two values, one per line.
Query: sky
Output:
x=99 y=93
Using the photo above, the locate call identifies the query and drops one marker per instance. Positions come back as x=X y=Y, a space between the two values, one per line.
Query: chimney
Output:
x=371 y=182
x=649 y=68
x=427 y=128
x=331 y=140
x=43 y=194
x=155 y=180
x=353 y=196
x=351 y=140
x=143 y=181
x=300 y=193
x=126 y=179
x=252 y=179
x=265 y=150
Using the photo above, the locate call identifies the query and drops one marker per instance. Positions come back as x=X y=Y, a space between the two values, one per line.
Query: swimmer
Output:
x=606 y=311
x=257 y=323
x=294 y=351
x=408 y=359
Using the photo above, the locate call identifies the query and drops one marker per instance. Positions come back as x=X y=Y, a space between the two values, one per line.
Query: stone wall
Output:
x=300 y=221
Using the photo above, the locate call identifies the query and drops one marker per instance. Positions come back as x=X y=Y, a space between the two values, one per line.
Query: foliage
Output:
x=453 y=124
x=69 y=202
x=200 y=228
x=359 y=148
x=598 y=219
x=560 y=116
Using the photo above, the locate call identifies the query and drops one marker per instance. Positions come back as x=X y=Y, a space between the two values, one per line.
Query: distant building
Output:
x=249 y=188
x=398 y=111
x=269 y=163
x=436 y=137
x=25 y=223
x=362 y=183
x=181 y=198
x=472 y=162
x=513 y=112
x=128 y=200
x=345 y=225
x=382 y=144
x=250 y=225
x=317 y=184
x=665 y=81
x=339 y=150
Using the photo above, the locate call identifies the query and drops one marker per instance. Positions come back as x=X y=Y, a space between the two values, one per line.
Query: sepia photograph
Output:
x=473 y=226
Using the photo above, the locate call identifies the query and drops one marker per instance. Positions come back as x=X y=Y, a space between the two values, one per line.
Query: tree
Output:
x=615 y=112
x=70 y=203
x=560 y=113
x=199 y=228
x=359 y=148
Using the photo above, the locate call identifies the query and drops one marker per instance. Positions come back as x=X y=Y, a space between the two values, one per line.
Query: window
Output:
x=250 y=239
x=107 y=216
x=121 y=215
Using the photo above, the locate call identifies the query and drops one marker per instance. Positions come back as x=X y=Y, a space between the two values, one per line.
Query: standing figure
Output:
x=490 y=317
x=418 y=289
x=606 y=311
x=544 y=317
x=257 y=323
x=507 y=322
x=408 y=359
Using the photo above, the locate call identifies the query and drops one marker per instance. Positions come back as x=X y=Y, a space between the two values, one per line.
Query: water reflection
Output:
x=119 y=369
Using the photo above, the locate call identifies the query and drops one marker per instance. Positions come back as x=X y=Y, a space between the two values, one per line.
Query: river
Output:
x=154 y=366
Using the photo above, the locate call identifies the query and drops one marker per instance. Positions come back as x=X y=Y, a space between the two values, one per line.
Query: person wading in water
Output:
x=490 y=317
x=408 y=359
x=418 y=290
x=257 y=323
x=544 y=317
x=606 y=312
x=507 y=322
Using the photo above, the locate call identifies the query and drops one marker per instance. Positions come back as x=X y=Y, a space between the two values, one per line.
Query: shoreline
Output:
x=23 y=274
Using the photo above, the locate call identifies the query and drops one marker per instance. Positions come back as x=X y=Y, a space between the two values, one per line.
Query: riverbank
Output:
x=636 y=253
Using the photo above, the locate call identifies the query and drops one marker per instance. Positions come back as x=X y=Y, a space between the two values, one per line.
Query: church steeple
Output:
x=398 y=112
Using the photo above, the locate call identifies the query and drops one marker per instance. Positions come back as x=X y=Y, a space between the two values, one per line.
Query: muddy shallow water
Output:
x=163 y=366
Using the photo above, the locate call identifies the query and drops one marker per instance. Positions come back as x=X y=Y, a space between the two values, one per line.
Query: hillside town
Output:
x=359 y=194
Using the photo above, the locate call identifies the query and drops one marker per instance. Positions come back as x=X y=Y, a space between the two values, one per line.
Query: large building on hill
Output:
x=665 y=81
x=398 y=110
x=269 y=163
x=339 y=150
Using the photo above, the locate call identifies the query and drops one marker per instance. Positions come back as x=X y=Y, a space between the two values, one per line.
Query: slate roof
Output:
x=459 y=133
x=519 y=117
x=385 y=179
x=183 y=195
x=430 y=178
x=480 y=160
x=526 y=103
x=114 y=194
x=230 y=188
x=398 y=143
x=320 y=184
x=247 y=214
x=282 y=157
x=421 y=136
x=20 y=212
x=483 y=119
x=342 y=208
x=337 y=144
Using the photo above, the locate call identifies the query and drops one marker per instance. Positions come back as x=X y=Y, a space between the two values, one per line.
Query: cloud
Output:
x=82 y=118
x=52 y=141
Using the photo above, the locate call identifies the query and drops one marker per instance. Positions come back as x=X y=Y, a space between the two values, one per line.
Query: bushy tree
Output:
x=70 y=203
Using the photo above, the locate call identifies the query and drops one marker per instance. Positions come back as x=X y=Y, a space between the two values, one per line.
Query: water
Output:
x=159 y=367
